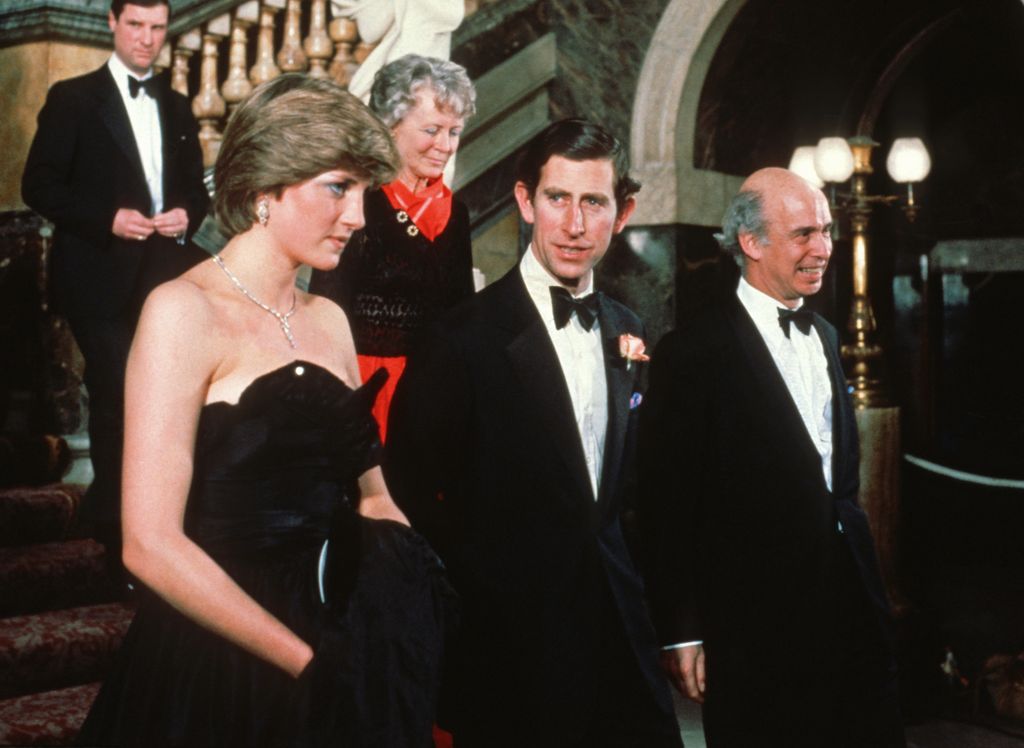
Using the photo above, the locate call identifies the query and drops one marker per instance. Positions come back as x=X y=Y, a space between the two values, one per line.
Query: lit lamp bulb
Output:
x=833 y=160
x=908 y=162
x=802 y=163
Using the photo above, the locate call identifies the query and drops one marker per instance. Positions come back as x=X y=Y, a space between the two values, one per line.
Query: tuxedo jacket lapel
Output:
x=169 y=133
x=115 y=117
x=843 y=428
x=533 y=358
x=776 y=403
x=620 y=386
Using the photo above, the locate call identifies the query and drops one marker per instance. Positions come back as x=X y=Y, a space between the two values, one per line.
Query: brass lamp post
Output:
x=836 y=160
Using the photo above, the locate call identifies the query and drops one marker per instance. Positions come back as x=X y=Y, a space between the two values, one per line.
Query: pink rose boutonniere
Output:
x=632 y=349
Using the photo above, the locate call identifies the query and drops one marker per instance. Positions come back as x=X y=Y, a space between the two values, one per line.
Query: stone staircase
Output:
x=61 y=616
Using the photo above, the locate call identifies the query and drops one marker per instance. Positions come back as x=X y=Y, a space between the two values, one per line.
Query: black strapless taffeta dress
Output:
x=274 y=478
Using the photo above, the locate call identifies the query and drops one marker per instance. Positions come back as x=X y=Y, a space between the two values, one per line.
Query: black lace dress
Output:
x=274 y=477
x=391 y=283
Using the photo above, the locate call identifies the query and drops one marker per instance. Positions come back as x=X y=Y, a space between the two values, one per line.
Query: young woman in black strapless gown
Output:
x=284 y=600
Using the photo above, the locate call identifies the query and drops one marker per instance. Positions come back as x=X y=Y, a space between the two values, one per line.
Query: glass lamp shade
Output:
x=833 y=160
x=802 y=163
x=908 y=160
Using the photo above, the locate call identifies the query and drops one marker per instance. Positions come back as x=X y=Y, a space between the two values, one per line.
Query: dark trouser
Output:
x=616 y=706
x=104 y=344
x=852 y=709
x=627 y=714
x=838 y=690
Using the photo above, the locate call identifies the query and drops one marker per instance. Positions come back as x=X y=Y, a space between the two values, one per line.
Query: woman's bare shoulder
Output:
x=184 y=315
x=328 y=315
x=185 y=301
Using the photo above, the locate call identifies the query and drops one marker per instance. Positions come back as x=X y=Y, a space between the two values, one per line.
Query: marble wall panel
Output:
x=26 y=73
x=496 y=250
x=601 y=49
x=665 y=273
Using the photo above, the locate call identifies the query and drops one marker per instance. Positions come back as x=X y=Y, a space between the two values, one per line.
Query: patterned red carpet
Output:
x=59 y=620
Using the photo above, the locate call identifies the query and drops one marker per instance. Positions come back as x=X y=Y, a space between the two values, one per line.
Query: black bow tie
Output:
x=135 y=85
x=802 y=318
x=563 y=304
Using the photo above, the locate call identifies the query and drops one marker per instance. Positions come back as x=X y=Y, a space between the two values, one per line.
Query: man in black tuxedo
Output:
x=509 y=447
x=763 y=573
x=116 y=166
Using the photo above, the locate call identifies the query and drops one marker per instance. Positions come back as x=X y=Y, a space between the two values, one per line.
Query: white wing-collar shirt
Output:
x=801 y=361
x=144 y=115
x=581 y=356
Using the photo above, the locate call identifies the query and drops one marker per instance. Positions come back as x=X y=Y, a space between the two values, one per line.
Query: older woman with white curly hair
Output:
x=413 y=259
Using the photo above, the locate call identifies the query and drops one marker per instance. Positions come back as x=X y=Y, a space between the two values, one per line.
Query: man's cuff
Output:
x=680 y=645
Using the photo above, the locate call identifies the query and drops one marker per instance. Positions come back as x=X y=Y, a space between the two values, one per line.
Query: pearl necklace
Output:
x=282 y=319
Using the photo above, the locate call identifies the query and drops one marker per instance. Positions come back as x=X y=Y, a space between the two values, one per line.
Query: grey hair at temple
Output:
x=745 y=215
x=396 y=84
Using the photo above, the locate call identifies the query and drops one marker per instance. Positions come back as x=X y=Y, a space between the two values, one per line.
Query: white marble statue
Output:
x=399 y=27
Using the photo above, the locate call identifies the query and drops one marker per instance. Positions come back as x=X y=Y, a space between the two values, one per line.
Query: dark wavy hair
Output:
x=116 y=6
x=576 y=140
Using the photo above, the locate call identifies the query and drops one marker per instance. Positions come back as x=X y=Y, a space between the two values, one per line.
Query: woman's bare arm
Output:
x=172 y=361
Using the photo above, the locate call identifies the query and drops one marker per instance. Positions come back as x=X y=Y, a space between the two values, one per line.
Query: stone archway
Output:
x=665 y=113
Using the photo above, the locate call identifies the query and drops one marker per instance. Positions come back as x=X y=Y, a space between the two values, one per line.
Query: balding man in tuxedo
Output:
x=763 y=577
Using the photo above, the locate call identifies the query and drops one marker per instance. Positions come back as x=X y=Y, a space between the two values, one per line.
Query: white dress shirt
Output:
x=581 y=356
x=801 y=361
x=144 y=116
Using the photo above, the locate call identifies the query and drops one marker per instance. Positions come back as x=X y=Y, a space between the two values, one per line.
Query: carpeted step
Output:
x=51 y=718
x=48 y=576
x=32 y=459
x=60 y=648
x=37 y=515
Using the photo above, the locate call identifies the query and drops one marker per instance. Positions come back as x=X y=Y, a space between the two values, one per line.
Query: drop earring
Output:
x=263 y=211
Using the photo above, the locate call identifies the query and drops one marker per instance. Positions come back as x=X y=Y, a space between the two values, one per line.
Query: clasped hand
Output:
x=131 y=224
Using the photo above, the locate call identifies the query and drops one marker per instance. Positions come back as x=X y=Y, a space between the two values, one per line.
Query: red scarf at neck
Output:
x=429 y=209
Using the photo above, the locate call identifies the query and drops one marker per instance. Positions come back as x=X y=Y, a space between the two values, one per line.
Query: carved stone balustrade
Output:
x=209 y=106
x=318 y=44
x=237 y=84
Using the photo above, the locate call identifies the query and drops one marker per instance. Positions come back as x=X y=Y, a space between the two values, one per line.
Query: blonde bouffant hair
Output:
x=291 y=129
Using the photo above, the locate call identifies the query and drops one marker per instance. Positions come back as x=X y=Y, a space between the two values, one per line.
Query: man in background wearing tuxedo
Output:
x=116 y=166
x=762 y=571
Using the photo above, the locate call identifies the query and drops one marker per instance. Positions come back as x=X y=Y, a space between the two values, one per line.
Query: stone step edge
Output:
x=44 y=576
x=37 y=651
x=46 y=718
x=39 y=514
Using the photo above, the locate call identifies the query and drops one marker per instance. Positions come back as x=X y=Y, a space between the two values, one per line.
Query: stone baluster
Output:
x=187 y=45
x=208 y=106
x=344 y=33
x=237 y=86
x=163 y=59
x=265 y=68
x=318 y=44
x=291 y=58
